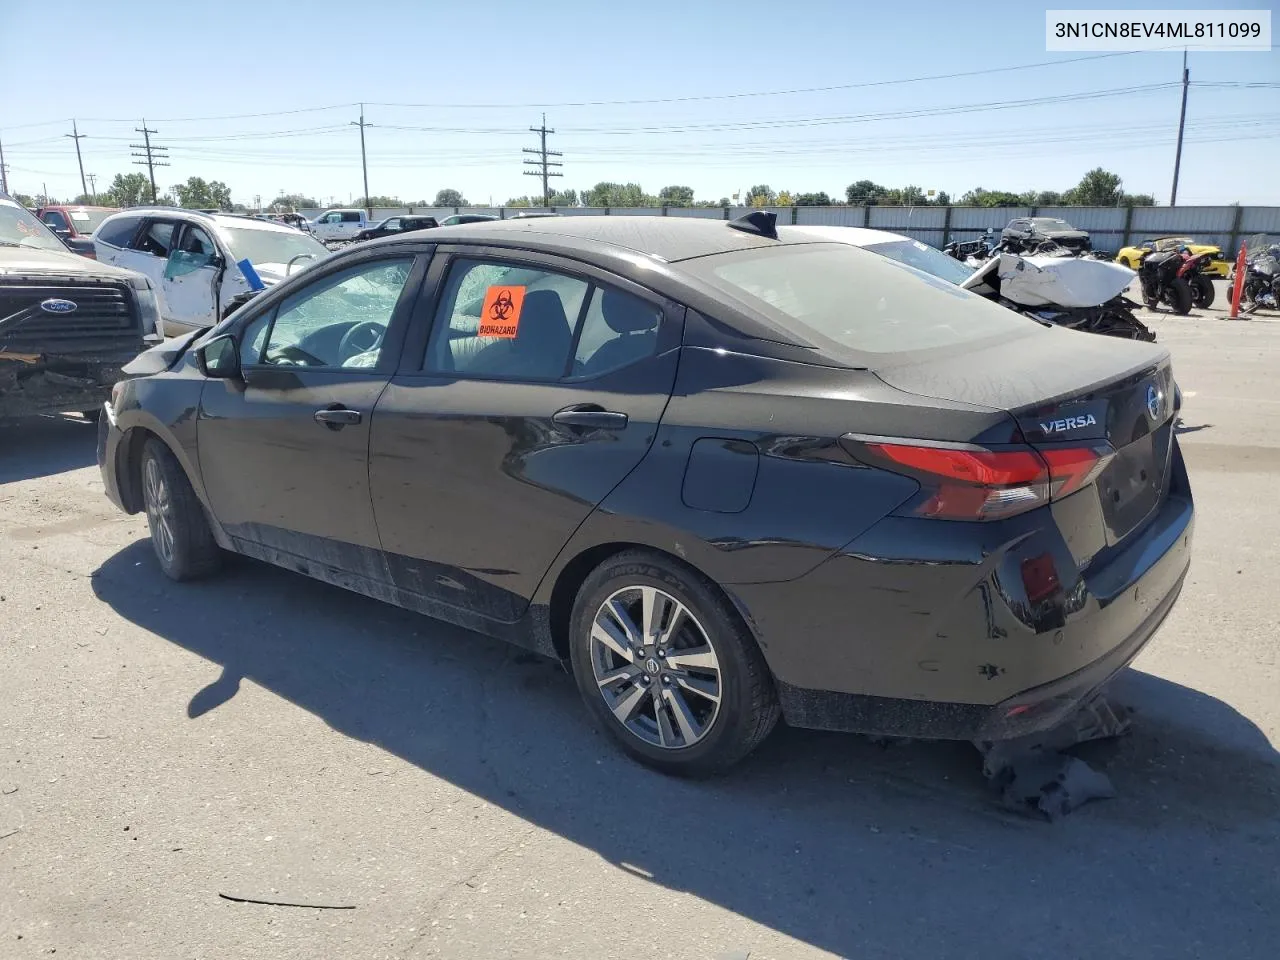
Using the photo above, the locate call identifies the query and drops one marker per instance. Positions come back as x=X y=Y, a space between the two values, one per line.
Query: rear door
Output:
x=531 y=388
x=148 y=251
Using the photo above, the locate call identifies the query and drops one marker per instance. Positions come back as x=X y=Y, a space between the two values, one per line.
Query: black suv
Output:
x=1026 y=233
x=68 y=324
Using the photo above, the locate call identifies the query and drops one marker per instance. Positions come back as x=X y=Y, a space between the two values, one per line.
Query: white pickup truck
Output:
x=341 y=224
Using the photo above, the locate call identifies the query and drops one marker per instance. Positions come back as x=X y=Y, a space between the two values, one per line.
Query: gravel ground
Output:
x=261 y=735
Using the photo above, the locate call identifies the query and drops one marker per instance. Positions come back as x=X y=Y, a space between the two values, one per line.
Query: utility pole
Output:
x=154 y=156
x=364 y=162
x=542 y=164
x=93 y=188
x=76 y=135
x=1182 y=120
x=4 y=172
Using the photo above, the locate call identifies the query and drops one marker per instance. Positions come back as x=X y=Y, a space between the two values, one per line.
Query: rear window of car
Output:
x=850 y=303
x=118 y=233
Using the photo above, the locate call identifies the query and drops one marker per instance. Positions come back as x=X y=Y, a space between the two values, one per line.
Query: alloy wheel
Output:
x=655 y=667
x=159 y=507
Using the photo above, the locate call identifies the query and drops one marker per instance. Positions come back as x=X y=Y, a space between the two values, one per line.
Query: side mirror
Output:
x=220 y=359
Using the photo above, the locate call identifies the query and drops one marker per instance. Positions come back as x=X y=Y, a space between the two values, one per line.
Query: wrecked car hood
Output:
x=29 y=261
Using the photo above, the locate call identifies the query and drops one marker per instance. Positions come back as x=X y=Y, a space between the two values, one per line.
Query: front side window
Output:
x=156 y=239
x=55 y=220
x=350 y=217
x=505 y=320
x=391 y=225
x=337 y=321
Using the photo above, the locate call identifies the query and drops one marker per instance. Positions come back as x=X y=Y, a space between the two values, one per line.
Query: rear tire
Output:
x=1202 y=292
x=693 y=695
x=180 y=533
x=1178 y=296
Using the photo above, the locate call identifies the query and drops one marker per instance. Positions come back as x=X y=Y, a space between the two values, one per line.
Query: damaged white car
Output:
x=200 y=262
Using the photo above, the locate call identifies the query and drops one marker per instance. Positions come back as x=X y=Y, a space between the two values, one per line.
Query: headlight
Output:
x=148 y=307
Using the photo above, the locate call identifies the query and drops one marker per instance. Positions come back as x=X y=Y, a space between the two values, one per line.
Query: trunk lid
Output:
x=1066 y=389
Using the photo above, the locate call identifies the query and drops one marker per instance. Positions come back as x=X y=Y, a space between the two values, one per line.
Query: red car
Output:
x=74 y=225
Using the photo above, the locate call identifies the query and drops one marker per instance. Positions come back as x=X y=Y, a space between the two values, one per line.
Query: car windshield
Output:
x=271 y=246
x=847 y=301
x=923 y=257
x=1052 y=223
x=19 y=228
x=87 y=221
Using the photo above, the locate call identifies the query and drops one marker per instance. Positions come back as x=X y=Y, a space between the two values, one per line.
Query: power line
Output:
x=543 y=153
x=155 y=156
x=766 y=93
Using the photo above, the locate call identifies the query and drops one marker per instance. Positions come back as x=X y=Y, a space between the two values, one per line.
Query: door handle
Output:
x=590 y=416
x=335 y=418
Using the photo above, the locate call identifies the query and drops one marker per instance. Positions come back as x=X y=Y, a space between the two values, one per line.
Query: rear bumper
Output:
x=899 y=635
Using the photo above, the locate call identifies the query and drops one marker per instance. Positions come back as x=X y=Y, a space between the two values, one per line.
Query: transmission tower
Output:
x=542 y=166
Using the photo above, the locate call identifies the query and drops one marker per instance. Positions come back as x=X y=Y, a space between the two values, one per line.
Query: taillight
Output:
x=980 y=483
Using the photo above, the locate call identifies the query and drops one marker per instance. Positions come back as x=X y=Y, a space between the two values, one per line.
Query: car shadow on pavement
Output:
x=815 y=835
x=42 y=446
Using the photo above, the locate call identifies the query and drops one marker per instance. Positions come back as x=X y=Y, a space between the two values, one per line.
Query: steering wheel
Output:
x=288 y=267
x=361 y=338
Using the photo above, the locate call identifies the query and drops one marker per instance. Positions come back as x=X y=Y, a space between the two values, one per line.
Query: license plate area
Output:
x=1132 y=485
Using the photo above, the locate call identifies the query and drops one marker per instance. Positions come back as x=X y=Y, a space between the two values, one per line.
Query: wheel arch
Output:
x=568 y=581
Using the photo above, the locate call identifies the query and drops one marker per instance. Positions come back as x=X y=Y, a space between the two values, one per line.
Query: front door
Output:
x=541 y=388
x=284 y=452
x=189 y=278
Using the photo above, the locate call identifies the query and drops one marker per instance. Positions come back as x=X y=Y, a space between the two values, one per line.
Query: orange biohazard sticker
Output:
x=500 y=316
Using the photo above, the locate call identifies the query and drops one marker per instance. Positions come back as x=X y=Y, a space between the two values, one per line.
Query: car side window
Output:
x=117 y=233
x=198 y=242
x=392 y=224
x=55 y=220
x=156 y=239
x=350 y=217
x=339 y=320
x=505 y=320
x=618 y=330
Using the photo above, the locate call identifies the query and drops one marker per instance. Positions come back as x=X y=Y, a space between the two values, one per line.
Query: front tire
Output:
x=667 y=667
x=180 y=533
x=1178 y=296
x=1202 y=292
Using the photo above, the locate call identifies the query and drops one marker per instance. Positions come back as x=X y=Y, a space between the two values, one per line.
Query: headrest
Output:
x=626 y=314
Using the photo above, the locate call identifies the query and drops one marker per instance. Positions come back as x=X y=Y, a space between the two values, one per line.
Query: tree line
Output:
x=1097 y=188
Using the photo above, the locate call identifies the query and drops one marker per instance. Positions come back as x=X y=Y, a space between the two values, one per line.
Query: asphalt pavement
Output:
x=423 y=792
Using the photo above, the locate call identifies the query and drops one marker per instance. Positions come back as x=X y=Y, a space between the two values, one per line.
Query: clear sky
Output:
x=469 y=79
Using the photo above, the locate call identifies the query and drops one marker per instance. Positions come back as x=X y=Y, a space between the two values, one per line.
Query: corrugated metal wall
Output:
x=930 y=224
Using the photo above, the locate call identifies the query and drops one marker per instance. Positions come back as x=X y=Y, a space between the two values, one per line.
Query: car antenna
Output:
x=760 y=222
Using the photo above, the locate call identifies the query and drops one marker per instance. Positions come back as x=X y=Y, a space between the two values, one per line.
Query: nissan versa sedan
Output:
x=725 y=472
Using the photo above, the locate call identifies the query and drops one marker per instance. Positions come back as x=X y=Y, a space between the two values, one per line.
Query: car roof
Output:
x=858 y=236
x=245 y=220
x=664 y=238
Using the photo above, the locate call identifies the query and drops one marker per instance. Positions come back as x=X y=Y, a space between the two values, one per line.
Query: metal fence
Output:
x=1110 y=227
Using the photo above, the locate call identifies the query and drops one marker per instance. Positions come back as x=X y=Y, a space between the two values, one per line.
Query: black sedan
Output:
x=393 y=225
x=1025 y=234
x=723 y=470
